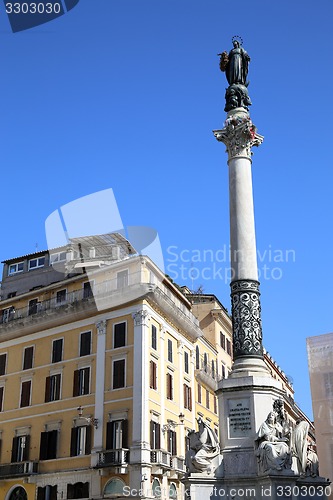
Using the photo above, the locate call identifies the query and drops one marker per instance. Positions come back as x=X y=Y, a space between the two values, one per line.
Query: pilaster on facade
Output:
x=99 y=390
x=140 y=452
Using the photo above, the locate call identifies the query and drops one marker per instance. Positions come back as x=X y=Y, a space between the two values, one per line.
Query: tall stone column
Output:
x=239 y=135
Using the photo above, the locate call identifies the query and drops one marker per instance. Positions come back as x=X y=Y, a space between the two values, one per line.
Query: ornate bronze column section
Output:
x=246 y=319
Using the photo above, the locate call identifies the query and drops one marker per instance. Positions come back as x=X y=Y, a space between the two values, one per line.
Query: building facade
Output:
x=105 y=365
x=104 y=369
x=320 y=361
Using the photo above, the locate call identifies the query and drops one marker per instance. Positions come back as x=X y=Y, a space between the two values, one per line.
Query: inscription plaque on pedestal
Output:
x=239 y=418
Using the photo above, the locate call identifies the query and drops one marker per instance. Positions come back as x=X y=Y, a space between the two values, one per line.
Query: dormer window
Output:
x=57 y=257
x=16 y=268
x=35 y=263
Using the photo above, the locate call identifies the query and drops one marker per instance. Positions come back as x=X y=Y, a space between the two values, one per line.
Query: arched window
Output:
x=114 y=487
x=197 y=358
x=18 y=493
x=156 y=488
x=172 y=491
x=205 y=362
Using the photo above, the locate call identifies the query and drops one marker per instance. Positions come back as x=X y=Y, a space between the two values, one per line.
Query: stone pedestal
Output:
x=244 y=403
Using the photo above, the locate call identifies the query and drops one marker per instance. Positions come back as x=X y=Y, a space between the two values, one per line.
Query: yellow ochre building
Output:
x=103 y=370
x=105 y=365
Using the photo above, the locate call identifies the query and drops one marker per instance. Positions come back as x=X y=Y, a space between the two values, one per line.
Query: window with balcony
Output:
x=207 y=399
x=52 y=388
x=33 y=306
x=3 y=362
x=61 y=297
x=119 y=334
x=172 y=442
x=154 y=337
x=36 y=263
x=77 y=490
x=20 y=448
x=205 y=362
x=85 y=343
x=122 y=279
x=118 y=374
x=155 y=435
x=57 y=349
x=18 y=267
x=88 y=290
x=28 y=356
x=8 y=314
x=47 y=492
x=81 y=381
x=117 y=434
x=48 y=445
x=169 y=386
x=25 y=393
x=186 y=362
x=197 y=358
x=80 y=441
x=213 y=369
x=153 y=375
x=187 y=397
x=170 y=354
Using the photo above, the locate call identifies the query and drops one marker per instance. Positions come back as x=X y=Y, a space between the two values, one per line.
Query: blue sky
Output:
x=126 y=93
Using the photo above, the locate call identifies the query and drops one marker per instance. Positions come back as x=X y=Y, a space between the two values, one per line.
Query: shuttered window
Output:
x=80 y=441
x=187 y=397
x=169 y=386
x=3 y=358
x=52 y=388
x=172 y=442
x=25 y=393
x=155 y=435
x=57 y=350
x=118 y=374
x=153 y=337
x=85 y=343
x=48 y=445
x=153 y=375
x=81 y=381
x=20 y=448
x=117 y=434
x=119 y=335
x=28 y=357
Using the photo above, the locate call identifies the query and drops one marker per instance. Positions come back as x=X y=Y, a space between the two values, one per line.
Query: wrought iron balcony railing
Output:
x=161 y=457
x=113 y=458
x=18 y=469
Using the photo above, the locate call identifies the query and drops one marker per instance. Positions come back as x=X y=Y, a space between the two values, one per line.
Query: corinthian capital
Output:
x=239 y=134
x=141 y=317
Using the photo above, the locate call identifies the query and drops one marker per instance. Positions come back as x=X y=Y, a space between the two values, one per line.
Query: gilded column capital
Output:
x=239 y=134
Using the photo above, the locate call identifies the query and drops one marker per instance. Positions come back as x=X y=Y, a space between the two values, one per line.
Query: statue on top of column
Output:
x=235 y=65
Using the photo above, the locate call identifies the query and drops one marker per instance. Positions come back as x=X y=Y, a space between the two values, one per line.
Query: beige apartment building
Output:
x=105 y=365
x=103 y=370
